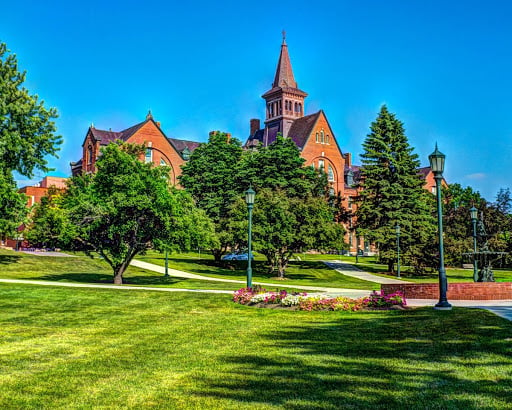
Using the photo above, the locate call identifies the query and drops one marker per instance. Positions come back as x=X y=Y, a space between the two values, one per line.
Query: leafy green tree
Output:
x=392 y=191
x=457 y=224
x=27 y=136
x=280 y=166
x=128 y=205
x=291 y=212
x=210 y=177
x=49 y=225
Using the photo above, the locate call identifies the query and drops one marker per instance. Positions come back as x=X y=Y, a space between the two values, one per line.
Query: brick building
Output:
x=160 y=150
x=312 y=133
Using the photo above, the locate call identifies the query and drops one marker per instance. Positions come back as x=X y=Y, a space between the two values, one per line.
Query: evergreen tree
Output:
x=392 y=192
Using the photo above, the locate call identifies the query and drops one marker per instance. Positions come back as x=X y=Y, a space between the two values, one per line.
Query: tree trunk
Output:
x=391 y=265
x=118 y=274
x=217 y=255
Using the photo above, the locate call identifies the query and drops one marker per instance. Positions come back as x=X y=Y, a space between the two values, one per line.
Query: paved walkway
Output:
x=351 y=270
x=353 y=293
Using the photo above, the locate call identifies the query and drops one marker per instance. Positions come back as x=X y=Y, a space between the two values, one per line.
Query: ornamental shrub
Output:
x=381 y=300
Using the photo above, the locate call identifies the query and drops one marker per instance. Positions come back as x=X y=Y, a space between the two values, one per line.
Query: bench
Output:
x=467 y=266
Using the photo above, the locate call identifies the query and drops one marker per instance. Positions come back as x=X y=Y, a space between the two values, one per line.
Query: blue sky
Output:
x=443 y=67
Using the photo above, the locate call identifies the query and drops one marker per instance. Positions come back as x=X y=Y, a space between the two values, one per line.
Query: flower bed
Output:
x=260 y=297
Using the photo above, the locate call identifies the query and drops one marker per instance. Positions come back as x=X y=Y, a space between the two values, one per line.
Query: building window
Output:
x=322 y=137
x=300 y=107
x=149 y=155
x=89 y=154
x=162 y=162
x=350 y=202
x=327 y=138
x=317 y=137
x=331 y=191
x=330 y=174
x=321 y=164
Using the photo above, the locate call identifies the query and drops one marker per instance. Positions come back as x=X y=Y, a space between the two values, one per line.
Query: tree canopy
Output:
x=27 y=137
x=127 y=205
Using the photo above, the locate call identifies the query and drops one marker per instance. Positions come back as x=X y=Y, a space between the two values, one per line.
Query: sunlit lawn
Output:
x=82 y=269
x=306 y=272
x=63 y=348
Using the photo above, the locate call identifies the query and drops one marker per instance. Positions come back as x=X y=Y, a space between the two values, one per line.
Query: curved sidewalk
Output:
x=349 y=269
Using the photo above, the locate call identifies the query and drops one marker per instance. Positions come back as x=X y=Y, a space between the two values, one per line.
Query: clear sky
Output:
x=443 y=67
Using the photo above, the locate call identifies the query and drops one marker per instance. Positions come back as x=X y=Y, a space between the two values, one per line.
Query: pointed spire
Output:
x=284 y=73
x=149 y=116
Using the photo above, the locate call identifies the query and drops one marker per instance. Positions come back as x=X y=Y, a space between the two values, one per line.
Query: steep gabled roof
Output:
x=301 y=129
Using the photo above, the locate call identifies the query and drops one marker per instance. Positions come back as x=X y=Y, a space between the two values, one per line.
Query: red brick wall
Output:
x=313 y=151
x=162 y=149
x=456 y=291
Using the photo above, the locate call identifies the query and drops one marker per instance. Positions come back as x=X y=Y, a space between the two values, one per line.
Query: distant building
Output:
x=160 y=150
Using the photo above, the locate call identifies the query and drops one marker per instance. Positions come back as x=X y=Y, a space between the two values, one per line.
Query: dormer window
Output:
x=350 y=178
x=185 y=154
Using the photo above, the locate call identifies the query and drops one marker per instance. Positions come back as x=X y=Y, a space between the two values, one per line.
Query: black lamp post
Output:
x=249 y=199
x=437 y=165
x=474 y=216
x=397 y=228
x=166 y=263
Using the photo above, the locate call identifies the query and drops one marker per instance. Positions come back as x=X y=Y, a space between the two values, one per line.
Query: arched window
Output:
x=317 y=137
x=162 y=162
x=327 y=138
x=321 y=164
x=89 y=154
x=330 y=174
x=300 y=107
x=322 y=137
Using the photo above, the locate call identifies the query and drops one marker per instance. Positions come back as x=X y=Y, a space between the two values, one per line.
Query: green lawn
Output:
x=307 y=272
x=64 y=348
x=82 y=269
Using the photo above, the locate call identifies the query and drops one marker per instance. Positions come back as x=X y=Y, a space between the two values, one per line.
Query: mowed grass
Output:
x=83 y=269
x=64 y=348
x=305 y=272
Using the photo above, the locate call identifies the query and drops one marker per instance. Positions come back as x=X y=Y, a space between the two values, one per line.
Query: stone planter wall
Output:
x=456 y=291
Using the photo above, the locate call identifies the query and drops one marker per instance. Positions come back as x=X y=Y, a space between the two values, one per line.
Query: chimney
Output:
x=255 y=126
x=348 y=159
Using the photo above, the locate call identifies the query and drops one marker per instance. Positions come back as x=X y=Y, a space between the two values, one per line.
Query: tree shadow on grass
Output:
x=109 y=278
x=413 y=359
x=8 y=259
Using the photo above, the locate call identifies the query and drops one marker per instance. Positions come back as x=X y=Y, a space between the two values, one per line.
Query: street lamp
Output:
x=397 y=229
x=249 y=199
x=473 y=212
x=166 y=263
x=437 y=165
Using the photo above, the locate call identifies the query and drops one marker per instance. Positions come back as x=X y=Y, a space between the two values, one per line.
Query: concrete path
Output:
x=353 y=293
x=349 y=269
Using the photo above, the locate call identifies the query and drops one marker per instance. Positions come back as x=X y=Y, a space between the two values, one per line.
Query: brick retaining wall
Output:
x=456 y=291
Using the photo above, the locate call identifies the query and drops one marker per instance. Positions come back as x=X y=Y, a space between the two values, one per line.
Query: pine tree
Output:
x=392 y=192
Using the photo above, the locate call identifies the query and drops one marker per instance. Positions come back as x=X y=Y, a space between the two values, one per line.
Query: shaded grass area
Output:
x=82 y=348
x=82 y=269
x=303 y=272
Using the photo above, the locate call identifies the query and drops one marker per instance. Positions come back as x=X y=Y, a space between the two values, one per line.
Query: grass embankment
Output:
x=82 y=269
x=64 y=348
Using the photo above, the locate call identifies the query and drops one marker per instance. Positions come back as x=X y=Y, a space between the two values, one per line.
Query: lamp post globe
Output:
x=437 y=159
x=249 y=200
